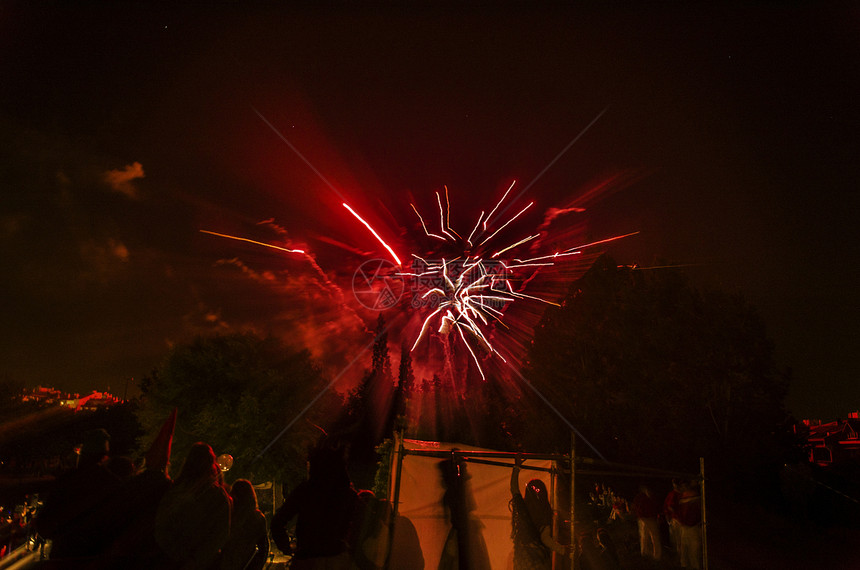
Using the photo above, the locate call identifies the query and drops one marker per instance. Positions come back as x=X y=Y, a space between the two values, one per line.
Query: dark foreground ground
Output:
x=745 y=537
x=739 y=538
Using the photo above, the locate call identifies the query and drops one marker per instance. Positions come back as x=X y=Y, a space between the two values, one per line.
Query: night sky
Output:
x=729 y=137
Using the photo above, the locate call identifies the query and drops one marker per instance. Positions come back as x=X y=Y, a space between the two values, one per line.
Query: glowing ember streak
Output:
x=376 y=235
x=493 y=211
x=472 y=352
x=607 y=240
x=524 y=296
x=469 y=239
x=510 y=247
x=253 y=241
x=491 y=236
x=423 y=225
x=448 y=214
x=575 y=250
x=442 y=217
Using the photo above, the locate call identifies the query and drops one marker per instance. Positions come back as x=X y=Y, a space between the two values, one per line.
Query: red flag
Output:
x=158 y=456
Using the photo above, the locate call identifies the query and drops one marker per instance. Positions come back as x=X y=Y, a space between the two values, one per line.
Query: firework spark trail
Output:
x=373 y=231
x=448 y=215
x=423 y=225
x=254 y=242
x=493 y=211
x=575 y=250
x=442 y=221
x=503 y=226
x=560 y=154
x=510 y=247
x=469 y=239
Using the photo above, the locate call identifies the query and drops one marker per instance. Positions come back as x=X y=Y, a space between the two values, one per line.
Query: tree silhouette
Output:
x=245 y=396
x=402 y=392
x=368 y=417
x=656 y=372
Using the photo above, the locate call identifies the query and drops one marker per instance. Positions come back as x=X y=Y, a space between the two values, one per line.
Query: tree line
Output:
x=651 y=369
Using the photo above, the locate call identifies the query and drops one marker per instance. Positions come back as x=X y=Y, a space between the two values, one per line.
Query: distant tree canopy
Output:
x=239 y=393
x=653 y=371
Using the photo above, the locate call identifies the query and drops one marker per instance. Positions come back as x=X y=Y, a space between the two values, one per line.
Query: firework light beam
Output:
x=376 y=235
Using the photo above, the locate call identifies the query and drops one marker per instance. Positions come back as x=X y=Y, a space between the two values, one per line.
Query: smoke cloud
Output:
x=121 y=180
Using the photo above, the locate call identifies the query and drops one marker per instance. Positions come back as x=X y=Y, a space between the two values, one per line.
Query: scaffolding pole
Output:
x=556 y=508
x=396 y=456
x=572 y=501
x=704 y=513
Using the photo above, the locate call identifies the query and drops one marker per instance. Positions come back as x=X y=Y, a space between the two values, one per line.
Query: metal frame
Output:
x=594 y=467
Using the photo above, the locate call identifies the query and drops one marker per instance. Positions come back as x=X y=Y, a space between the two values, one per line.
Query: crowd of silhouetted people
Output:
x=107 y=513
x=680 y=513
x=665 y=531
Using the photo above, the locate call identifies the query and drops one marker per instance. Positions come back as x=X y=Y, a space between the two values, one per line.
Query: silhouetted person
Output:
x=134 y=508
x=532 y=524
x=647 y=510
x=71 y=516
x=671 y=506
x=192 y=522
x=324 y=507
x=406 y=553
x=465 y=548
x=690 y=519
x=248 y=545
x=371 y=532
